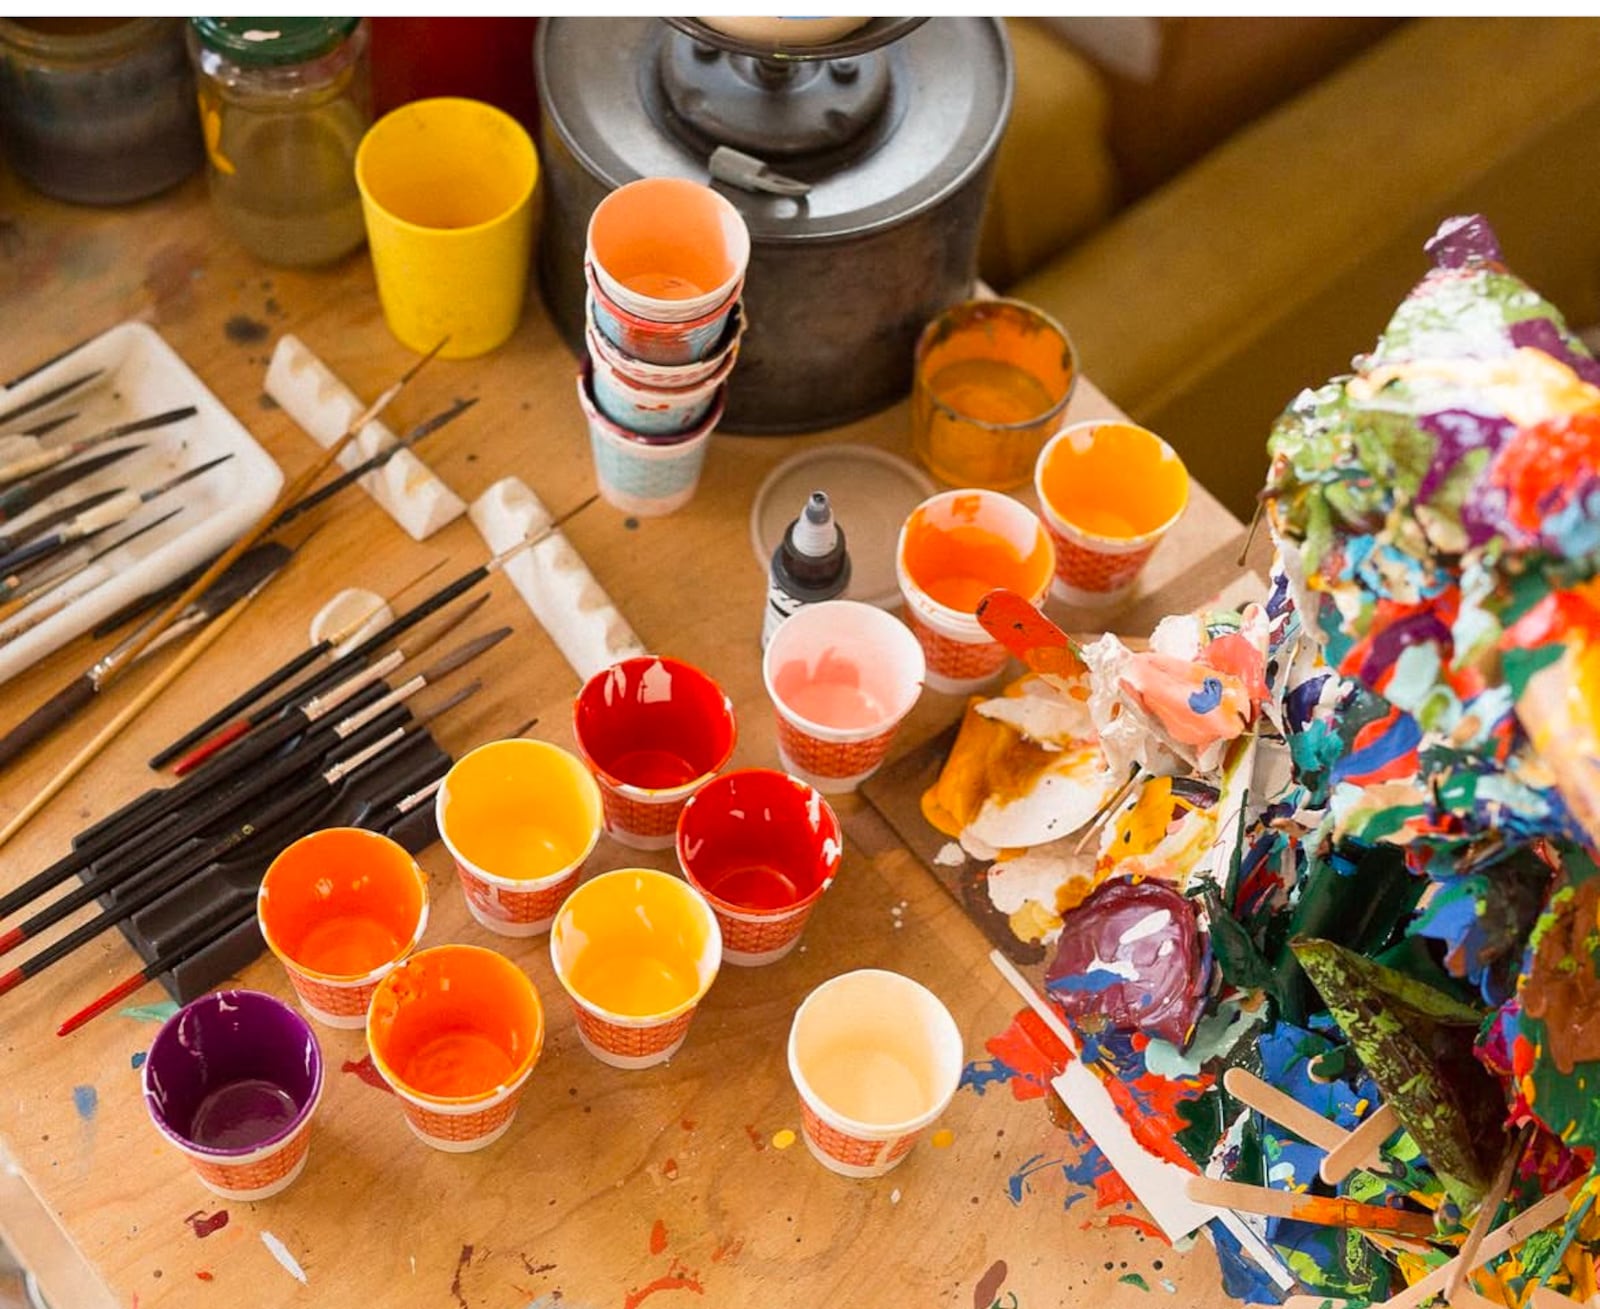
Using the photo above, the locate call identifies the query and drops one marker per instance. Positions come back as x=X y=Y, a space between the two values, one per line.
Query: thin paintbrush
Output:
x=14 y=470
x=49 y=397
x=117 y=509
x=287 y=497
x=20 y=497
x=29 y=439
x=157 y=887
x=71 y=699
x=54 y=584
x=19 y=536
x=277 y=677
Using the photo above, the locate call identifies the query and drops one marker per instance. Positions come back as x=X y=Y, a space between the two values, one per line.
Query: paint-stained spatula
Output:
x=1024 y=630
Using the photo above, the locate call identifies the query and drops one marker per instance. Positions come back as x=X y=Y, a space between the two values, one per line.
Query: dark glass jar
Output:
x=97 y=111
x=284 y=102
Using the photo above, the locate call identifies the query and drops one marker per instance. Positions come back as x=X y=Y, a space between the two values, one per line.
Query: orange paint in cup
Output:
x=340 y=908
x=957 y=549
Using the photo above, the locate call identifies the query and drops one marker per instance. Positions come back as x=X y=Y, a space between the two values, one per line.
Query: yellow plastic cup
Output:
x=447 y=190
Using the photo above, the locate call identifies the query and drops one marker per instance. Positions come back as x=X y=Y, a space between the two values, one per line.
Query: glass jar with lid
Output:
x=284 y=102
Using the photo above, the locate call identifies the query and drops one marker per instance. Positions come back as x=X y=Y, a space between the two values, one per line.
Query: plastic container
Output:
x=97 y=111
x=284 y=103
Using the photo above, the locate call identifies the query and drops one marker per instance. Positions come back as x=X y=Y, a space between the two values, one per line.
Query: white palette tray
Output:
x=142 y=376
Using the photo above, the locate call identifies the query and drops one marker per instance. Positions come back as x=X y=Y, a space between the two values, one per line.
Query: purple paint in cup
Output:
x=232 y=1080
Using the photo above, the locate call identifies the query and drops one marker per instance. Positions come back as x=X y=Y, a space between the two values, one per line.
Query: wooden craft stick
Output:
x=1535 y=1218
x=1359 y=1149
x=1327 y=1211
x=1544 y=1298
x=1283 y=1109
x=1467 y=1298
x=174 y=669
x=1317 y=1302
x=1487 y=1209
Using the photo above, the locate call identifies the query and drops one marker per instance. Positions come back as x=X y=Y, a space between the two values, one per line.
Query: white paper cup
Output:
x=876 y=1058
x=841 y=675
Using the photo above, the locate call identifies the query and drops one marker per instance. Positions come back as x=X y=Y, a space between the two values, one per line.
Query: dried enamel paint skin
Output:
x=811 y=564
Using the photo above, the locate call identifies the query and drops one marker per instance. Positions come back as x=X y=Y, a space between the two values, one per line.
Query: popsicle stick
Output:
x=1359 y=1149
x=1326 y=1211
x=1467 y=1298
x=1283 y=1109
x=1544 y=1298
x=1317 y=1302
x=1487 y=1209
x=1535 y=1218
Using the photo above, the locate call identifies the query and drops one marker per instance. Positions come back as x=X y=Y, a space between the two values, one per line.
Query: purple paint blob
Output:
x=1462 y=241
x=1456 y=433
x=1133 y=954
x=231 y=1073
x=203 y=1224
x=1541 y=334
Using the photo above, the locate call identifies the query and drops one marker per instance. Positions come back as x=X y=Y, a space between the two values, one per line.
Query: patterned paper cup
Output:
x=653 y=731
x=519 y=818
x=455 y=1031
x=876 y=1058
x=649 y=341
x=232 y=1080
x=642 y=475
x=671 y=376
x=636 y=951
x=761 y=847
x=340 y=908
x=668 y=248
x=953 y=550
x=841 y=675
x=1108 y=492
x=650 y=410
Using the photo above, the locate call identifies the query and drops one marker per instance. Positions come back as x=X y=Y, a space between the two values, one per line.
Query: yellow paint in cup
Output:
x=1113 y=480
x=447 y=190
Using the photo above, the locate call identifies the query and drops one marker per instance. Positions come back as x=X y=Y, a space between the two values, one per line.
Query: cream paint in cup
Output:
x=340 y=907
x=876 y=1059
x=456 y=1031
x=667 y=248
x=1108 y=493
x=519 y=818
x=635 y=950
x=953 y=550
x=842 y=675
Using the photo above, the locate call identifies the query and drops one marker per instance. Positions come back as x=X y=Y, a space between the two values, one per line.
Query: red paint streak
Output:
x=204 y=1275
x=203 y=1224
x=1110 y=1189
x=367 y=1072
x=677 y=1278
x=1139 y=1225
x=728 y=1249
x=669 y=1169
x=658 y=1237
x=1033 y=1050
x=688 y=1124
x=756 y=1139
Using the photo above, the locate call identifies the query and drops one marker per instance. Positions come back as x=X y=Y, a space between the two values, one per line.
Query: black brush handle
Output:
x=52 y=714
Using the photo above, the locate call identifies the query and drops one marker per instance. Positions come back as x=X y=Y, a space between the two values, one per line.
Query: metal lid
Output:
x=949 y=93
x=273 y=42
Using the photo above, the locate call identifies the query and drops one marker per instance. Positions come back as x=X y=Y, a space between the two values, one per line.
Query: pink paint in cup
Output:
x=653 y=731
x=841 y=675
x=761 y=847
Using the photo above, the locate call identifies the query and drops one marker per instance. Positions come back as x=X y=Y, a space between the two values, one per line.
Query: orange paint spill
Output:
x=677 y=1278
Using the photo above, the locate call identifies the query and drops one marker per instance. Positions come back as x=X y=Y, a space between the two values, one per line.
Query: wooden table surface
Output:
x=612 y=1188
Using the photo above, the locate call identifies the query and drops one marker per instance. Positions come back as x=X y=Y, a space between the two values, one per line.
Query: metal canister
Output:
x=284 y=102
x=842 y=279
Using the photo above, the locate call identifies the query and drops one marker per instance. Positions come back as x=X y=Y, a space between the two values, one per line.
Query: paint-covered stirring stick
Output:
x=1359 y=1149
x=1488 y=1207
x=1326 y=1211
x=1025 y=631
x=1282 y=1108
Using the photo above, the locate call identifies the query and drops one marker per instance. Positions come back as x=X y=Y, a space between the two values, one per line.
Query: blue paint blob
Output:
x=138 y=1059
x=1017 y=1183
x=981 y=1074
x=1208 y=697
x=85 y=1100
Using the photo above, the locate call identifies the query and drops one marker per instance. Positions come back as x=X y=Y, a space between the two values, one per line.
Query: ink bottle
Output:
x=810 y=565
x=284 y=102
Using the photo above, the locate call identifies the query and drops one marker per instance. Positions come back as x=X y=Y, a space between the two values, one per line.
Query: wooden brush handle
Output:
x=44 y=720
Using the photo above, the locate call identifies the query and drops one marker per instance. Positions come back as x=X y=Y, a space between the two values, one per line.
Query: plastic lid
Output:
x=273 y=42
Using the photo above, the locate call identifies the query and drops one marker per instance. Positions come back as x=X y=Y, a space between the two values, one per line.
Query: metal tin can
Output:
x=284 y=102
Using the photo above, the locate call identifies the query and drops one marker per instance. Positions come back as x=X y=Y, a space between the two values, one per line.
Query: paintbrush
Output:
x=352 y=658
x=155 y=814
x=49 y=397
x=374 y=816
x=214 y=627
x=118 y=509
x=14 y=470
x=20 y=497
x=324 y=694
x=70 y=699
x=53 y=583
x=1324 y=1210
x=277 y=677
x=156 y=887
x=19 y=536
x=287 y=497
x=15 y=444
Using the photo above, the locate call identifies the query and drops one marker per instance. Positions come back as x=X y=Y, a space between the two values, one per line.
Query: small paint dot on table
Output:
x=782 y=1139
x=86 y=1100
x=941 y=1140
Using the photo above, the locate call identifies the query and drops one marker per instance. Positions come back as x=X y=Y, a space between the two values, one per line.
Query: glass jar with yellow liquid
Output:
x=993 y=378
x=284 y=102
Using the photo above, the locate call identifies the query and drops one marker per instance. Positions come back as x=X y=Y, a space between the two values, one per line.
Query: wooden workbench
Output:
x=612 y=1187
